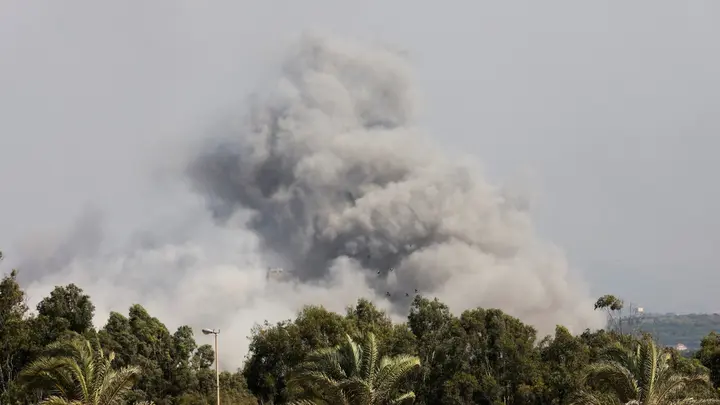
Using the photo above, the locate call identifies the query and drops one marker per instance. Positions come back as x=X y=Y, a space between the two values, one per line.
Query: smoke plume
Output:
x=334 y=171
x=328 y=177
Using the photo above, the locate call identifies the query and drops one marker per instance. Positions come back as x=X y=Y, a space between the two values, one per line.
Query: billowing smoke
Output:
x=333 y=169
x=327 y=177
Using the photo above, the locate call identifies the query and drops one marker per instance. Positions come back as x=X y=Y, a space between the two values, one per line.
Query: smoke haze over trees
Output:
x=482 y=356
x=207 y=151
x=326 y=174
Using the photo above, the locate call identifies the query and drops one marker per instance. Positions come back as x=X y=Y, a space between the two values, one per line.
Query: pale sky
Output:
x=608 y=110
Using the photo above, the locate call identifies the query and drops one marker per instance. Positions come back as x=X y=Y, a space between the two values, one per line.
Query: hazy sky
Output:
x=606 y=110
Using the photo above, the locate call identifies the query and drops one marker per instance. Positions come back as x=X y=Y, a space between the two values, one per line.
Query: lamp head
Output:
x=208 y=331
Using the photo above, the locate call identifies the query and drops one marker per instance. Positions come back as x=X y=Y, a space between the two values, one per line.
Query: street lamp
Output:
x=215 y=332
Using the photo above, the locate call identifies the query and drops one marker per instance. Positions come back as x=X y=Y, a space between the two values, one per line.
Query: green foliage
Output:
x=70 y=306
x=480 y=356
x=709 y=356
x=609 y=302
x=16 y=346
x=74 y=372
x=353 y=373
x=644 y=375
x=172 y=369
x=488 y=356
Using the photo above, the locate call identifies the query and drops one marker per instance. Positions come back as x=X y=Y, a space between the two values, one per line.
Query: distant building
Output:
x=680 y=347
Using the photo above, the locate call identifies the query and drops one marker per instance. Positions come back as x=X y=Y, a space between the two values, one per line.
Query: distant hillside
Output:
x=671 y=329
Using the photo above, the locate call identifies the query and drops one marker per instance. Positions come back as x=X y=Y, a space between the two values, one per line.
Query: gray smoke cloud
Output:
x=327 y=176
x=333 y=169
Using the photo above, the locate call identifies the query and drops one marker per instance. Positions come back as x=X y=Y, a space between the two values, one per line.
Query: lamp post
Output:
x=215 y=332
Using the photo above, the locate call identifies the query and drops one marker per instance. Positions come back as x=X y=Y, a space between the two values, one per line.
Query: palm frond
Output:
x=329 y=361
x=103 y=373
x=393 y=372
x=673 y=385
x=50 y=373
x=306 y=402
x=583 y=397
x=316 y=377
x=76 y=373
x=350 y=356
x=404 y=399
x=56 y=400
x=357 y=390
x=641 y=376
x=317 y=384
x=620 y=354
x=613 y=376
x=352 y=373
x=117 y=383
x=370 y=357
x=648 y=363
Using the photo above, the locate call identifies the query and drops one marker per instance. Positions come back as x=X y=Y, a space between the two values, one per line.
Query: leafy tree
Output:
x=71 y=305
x=354 y=374
x=613 y=306
x=562 y=358
x=709 y=356
x=643 y=376
x=118 y=336
x=462 y=389
x=233 y=390
x=164 y=358
x=440 y=348
x=75 y=373
x=174 y=369
x=203 y=357
x=511 y=355
x=364 y=318
x=63 y=315
x=15 y=334
x=277 y=349
x=274 y=350
x=482 y=356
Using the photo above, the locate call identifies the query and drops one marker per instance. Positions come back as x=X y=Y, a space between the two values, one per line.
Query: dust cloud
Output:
x=327 y=176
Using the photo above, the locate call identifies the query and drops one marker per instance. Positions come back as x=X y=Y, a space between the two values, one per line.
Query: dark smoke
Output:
x=332 y=167
x=329 y=178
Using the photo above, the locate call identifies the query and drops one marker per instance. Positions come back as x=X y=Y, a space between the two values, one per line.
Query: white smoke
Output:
x=327 y=177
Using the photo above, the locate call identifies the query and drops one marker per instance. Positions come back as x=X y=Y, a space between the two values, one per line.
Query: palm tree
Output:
x=640 y=377
x=352 y=374
x=75 y=373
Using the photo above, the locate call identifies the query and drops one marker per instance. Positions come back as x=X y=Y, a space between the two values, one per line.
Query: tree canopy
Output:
x=480 y=356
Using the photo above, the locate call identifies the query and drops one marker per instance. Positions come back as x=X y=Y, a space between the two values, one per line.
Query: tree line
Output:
x=55 y=355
